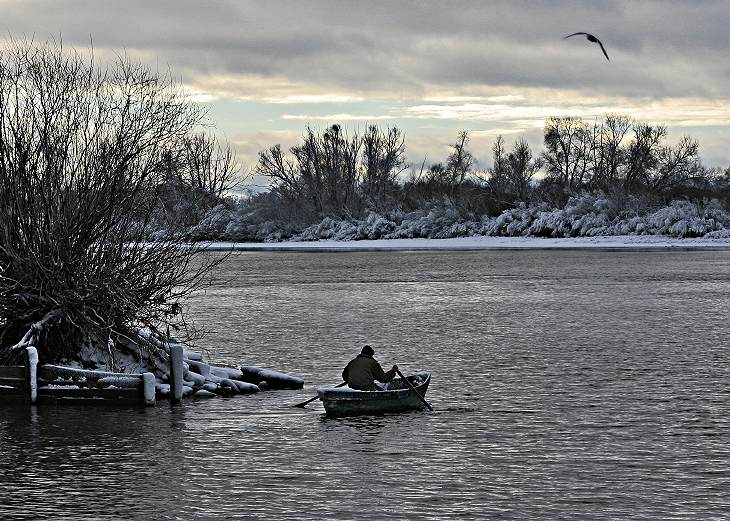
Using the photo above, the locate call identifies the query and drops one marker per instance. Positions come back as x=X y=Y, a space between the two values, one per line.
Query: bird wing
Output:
x=604 y=50
x=574 y=34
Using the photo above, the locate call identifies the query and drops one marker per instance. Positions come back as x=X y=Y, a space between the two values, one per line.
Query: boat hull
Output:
x=350 y=402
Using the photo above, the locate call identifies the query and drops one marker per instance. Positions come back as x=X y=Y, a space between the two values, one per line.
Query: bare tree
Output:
x=607 y=153
x=676 y=165
x=82 y=152
x=498 y=179
x=208 y=167
x=383 y=160
x=522 y=167
x=335 y=174
x=568 y=143
x=197 y=180
x=642 y=154
x=460 y=162
x=511 y=174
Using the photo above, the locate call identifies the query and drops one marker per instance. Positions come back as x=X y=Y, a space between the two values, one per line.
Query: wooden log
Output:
x=123 y=382
x=190 y=355
x=148 y=388
x=226 y=372
x=12 y=371
x=15 y=383
x=48 y=373
x=12 y=394
x=245 y=387
x=120 y=395
x=176 y=372
x=199 y=367
x=31 y=373
x=274 y=379
x=230 y=384
x=196 y=378
x=162 y=389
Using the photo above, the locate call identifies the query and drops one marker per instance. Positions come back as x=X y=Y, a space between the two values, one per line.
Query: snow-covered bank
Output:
x=620 y=242
x=586 y=215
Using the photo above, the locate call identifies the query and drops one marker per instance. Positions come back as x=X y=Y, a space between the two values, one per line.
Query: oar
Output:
x=304 y=404
x=406 y=380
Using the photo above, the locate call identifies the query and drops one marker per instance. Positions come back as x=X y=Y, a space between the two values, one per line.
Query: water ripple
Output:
x=566 y=385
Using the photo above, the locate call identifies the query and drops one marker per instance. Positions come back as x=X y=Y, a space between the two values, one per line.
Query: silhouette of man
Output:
x=362 y=371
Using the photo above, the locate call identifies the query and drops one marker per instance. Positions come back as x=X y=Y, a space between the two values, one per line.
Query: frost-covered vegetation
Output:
x=585 y=215
x=612 y=177
x=91 y=159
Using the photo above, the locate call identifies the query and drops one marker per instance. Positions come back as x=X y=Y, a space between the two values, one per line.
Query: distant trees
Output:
x=334 y=174
x=195 y=179
x=579 y=156
x=85 y=152
x=383 y=160
x=511 y=177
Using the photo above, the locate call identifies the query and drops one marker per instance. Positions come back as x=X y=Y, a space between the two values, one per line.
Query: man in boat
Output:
x=363 y=370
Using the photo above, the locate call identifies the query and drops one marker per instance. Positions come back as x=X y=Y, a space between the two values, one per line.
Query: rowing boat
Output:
x=396 y=397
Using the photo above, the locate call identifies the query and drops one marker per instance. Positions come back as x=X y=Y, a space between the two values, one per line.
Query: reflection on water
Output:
x=566 y=384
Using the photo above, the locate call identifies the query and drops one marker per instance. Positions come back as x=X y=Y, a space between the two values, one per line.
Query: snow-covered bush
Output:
x=584 y=215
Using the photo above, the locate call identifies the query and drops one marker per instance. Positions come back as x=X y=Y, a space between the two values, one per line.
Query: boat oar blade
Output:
x=304 y=404
x=408 y=382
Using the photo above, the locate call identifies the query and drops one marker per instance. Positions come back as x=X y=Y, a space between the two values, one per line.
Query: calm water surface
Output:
x=568 y=384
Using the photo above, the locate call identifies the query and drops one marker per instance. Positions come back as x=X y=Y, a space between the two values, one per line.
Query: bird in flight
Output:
x=591 y=39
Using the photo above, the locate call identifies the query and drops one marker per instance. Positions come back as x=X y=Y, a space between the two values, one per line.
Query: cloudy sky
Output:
x=267 y=69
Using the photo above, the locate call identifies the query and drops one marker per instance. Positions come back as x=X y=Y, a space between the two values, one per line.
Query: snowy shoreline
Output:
x=607 y=243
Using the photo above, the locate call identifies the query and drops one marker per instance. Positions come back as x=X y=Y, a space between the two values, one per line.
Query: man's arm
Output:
x=382 y=376
x=346 y=373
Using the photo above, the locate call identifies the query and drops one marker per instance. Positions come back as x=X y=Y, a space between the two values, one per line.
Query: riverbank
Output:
x=620 y=243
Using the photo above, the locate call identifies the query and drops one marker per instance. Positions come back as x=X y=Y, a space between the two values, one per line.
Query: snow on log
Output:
x=230 y=384
x=274 y=379
x=49 y=372
x=31 y=362
x=196 y=378
x=162 y=389
x=122 y=382
x=195 y=357
x=199 y=367
x=214 y=379
x=186 y=390
x=226 y=372
x=148 y=388
x=245 y=387
x=203 y=393
x=210 y=387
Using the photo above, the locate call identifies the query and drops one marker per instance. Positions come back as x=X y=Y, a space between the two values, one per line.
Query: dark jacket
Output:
x=362 y=372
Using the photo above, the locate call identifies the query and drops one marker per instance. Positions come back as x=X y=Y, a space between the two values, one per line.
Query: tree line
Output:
x=336 y=174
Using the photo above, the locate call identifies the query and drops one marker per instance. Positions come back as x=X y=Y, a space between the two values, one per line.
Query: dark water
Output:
x=571 y=384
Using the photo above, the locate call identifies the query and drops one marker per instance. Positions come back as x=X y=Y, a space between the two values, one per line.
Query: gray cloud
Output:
x=657 y=48
x=432 y=62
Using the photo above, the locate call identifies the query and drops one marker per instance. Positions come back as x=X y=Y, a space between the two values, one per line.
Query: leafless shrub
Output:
x=83 y=149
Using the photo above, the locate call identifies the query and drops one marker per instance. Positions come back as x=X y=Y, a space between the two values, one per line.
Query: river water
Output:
x=566 y=384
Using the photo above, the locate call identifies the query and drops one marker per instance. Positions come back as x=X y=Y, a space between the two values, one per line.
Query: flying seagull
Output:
x=591 y=39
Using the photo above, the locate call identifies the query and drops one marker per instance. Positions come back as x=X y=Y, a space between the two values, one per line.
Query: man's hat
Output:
x=367 y=350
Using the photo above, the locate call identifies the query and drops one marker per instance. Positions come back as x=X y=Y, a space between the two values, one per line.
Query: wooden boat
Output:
x=396 y=397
